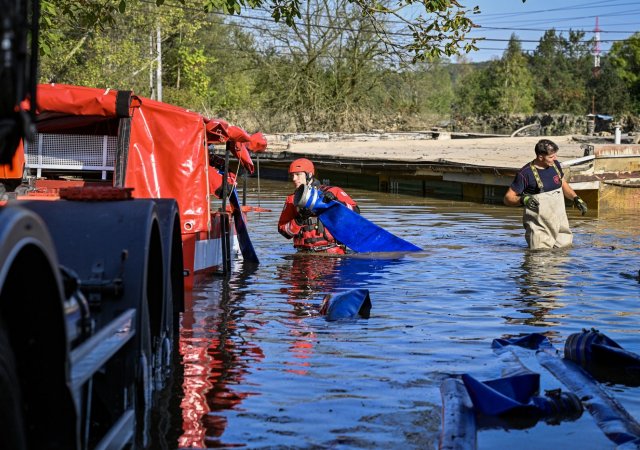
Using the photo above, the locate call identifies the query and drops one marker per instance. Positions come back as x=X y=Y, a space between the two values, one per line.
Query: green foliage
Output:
x=561 y=67
x=505 y=86
x=440 y=28
x=625 y=60
x=471 y=97
x=609 y=92
x=335 y=68
x=193 y=64
x=512 y=83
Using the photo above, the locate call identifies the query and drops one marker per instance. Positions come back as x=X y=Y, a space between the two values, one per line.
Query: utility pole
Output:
x=151 y=80
x=596 y=50
x=591 y=124
x=159 y=62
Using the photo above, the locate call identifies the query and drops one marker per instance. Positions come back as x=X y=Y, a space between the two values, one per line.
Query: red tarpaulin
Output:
x=168 y=155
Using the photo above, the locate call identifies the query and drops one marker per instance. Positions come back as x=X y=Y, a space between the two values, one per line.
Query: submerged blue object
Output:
x=532 y=341
x=346 y=305
x=616 y=423
x=503 y=395
x=516 y=396
x=603 y=357
x=349 y=227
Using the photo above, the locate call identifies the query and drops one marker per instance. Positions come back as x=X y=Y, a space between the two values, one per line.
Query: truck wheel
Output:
x=11 y=420
x=144 y=380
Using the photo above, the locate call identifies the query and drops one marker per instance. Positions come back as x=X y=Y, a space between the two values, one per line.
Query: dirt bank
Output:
x=498 y=152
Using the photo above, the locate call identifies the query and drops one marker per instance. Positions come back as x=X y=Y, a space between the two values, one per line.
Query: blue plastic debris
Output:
x=349 y=227
x=532 y=341
x=503 y=395
x=603 y=357
x=517 y=396
x=346 y=305
x=616 y=422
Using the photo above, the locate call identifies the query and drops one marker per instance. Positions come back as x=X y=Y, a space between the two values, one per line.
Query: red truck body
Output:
x=158 y=150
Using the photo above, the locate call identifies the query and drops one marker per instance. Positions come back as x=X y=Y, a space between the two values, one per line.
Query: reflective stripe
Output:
x=287 y=229
x=208 y=253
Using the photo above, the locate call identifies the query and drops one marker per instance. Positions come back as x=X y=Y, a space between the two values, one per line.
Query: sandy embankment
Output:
x=493 y=152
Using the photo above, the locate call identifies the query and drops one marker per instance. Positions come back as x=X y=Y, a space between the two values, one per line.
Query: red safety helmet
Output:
x=302 y=165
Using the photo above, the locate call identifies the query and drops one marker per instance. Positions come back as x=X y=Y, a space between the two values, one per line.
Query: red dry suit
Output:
x=312 y=235
x=215 y=181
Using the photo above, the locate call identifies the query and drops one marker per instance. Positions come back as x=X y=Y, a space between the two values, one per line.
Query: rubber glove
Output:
x=530 y=202
x=303 y=215
x=329 y=196
x=580 y=204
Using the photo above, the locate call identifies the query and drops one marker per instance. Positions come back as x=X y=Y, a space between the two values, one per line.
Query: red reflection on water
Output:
x=308 y=277
x=216 y=354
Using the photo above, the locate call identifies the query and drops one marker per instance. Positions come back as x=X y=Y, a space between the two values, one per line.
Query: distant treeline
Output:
x=334 y=73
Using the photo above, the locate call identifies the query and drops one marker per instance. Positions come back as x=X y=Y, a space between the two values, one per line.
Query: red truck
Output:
x=105 y=216
x=101 y=137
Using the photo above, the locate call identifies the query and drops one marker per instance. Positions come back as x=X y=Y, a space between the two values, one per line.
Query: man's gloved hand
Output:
x=580 y=204
x=329 y=196
x=303 y=215
x=530 y=202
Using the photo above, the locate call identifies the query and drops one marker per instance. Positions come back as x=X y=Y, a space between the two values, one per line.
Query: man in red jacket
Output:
x=307 y=231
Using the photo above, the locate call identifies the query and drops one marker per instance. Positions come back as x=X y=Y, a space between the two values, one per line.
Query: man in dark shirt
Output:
x=540 y=187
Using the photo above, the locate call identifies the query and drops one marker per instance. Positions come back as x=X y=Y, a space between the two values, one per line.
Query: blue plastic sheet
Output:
x=350 y=228
x=347 y=305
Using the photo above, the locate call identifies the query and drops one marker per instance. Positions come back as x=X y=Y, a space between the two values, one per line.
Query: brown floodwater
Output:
x=258 y=367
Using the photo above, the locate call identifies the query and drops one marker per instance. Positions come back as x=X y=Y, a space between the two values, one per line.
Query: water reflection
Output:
x=217 y=350
x=305 y=279
x=375 y=383
x=542 y=283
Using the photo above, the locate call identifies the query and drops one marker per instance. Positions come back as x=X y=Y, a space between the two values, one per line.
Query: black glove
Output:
x=329 y=196
x=530 y=202
x=580 y=204
x=303 y=215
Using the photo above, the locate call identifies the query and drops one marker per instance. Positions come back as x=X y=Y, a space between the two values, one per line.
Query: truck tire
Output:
x=11 y=418
x=143 y=385
x=168 y=317
x=34 y=339
x=116 y=250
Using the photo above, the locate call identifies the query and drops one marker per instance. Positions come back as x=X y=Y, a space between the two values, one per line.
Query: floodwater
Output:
x=262 y=369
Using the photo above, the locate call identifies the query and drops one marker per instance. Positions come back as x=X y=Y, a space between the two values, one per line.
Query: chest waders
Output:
x=549 y=226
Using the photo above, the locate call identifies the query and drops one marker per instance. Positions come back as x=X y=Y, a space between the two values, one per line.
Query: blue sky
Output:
x=618 y=19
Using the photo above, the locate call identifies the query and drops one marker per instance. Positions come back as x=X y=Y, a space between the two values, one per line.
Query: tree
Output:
x=512 y=86
x=560 y=67
x=83 y=56
x=321 y=74
x=440 y=28
x=625 y=60
x=609 y=92
x=504 y=86
x=422 y=90
x=471 y=92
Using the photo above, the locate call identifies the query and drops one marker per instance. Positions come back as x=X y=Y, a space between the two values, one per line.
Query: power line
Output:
x=566 y=19
x=566 y=30
x=389 y=33
x=609 y=5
